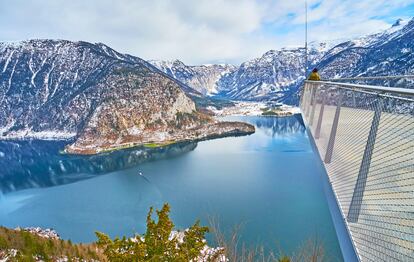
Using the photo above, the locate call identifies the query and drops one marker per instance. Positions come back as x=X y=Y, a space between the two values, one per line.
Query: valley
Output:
x=206 y=109
x=105 y=100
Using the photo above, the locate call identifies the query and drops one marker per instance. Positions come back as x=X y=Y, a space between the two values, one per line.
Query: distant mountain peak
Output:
x=202 y=78
x=278 y=73
x=398 y=22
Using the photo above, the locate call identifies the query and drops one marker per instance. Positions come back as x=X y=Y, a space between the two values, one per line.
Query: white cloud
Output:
x=199 y=31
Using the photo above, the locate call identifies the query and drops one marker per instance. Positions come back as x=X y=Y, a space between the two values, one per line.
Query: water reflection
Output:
x=281 y=126
x=269 y=182
x=35 y=163
x=275 y=126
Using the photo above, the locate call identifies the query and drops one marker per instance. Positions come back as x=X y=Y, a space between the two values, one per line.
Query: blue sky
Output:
x=201 y=31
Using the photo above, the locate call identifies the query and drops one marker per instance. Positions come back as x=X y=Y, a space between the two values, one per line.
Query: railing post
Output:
x=304 y=98
x=302 y=95
x=308 y=97
x=353 y=97
x=329 y=149
x=312 y=94
x=314 y=102
x=319 y=125
x=359 y=189
x=305 y=105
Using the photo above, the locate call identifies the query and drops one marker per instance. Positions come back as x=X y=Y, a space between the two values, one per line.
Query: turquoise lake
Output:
x=269 y=182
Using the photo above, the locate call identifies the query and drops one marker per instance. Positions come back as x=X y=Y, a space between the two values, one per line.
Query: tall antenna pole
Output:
x=306 y=39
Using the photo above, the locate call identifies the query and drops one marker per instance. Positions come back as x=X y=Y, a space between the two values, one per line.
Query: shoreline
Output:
x=235 y=129
x=154 y=144
x=241 y=129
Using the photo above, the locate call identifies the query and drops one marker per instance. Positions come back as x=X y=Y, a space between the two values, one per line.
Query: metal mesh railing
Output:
x=365 y=136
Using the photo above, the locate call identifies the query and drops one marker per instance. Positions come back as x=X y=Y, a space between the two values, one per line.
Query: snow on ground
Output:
x=45 y=233
x=44 y=135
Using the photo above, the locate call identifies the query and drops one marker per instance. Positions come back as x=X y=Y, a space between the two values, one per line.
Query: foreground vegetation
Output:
x=20 y=245
x=156 y=244
x=159 y=243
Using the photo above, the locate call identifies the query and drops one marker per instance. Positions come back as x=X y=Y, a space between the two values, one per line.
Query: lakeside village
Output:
x=256 y=109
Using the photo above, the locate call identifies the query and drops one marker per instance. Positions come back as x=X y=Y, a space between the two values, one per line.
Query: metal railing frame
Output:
x=309 y=108
x=370 y=78
x=377 y=89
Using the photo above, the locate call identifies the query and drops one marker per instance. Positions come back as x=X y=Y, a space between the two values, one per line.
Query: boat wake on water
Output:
x=142 y=175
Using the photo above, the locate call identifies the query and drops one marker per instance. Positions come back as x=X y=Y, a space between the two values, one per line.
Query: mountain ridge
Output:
x=278 y=74
x=202 y=78
x=101 y=98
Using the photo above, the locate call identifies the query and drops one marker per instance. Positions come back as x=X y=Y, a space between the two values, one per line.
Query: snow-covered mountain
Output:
x=270 y=76
x=203 y=78
x=278 y=74
x=273 y=76
x=390 y=52
x=57 y=85
x=90 y=92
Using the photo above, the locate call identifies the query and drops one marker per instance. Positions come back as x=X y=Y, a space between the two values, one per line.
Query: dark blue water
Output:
x=270 y=182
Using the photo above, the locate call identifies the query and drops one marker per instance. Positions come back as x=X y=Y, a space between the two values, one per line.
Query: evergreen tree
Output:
x=157 y=244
